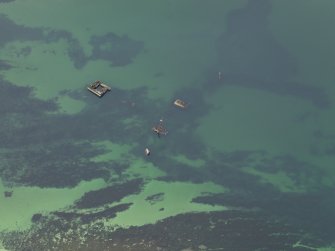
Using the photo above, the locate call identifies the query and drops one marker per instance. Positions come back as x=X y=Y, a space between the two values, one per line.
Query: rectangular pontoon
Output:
x=98 y=88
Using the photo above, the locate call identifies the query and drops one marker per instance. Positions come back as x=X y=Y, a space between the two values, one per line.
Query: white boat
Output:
x=180 y=103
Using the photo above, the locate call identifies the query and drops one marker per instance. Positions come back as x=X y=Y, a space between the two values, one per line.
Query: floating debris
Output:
x=147 y=151
x=98 y=88
x=159 y=129
x=180 y=103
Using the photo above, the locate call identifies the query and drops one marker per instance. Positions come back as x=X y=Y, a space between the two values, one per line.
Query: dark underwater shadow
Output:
x=249 y=56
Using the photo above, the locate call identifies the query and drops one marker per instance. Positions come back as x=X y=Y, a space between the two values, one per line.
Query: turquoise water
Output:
x=256 y=139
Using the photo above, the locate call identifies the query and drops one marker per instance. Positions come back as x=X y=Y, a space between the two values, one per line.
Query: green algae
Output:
x=136 y=167
x=157 y=58
x=317 y=41
x=38 y=70
x=313 y=34
x=114 y=151
x=177 y=200
x=279 y=180
x=253 y=120
x=243 y=119
x=144 y=169
x=16 y=211
x=326 y=249
x=197 y=163
x=300 y=245
x=69 y=105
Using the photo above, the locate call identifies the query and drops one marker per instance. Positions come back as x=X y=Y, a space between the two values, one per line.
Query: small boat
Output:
x=180 y=103
x=98 y=88
x=159 y=129
x=147 y=151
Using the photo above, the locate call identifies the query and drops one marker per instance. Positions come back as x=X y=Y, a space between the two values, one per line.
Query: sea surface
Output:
x=249 y=164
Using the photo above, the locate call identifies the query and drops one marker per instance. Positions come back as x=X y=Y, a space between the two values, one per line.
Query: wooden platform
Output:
x=99 y=88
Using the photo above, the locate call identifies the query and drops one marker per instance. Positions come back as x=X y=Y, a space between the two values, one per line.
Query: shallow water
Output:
x=257 y=135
